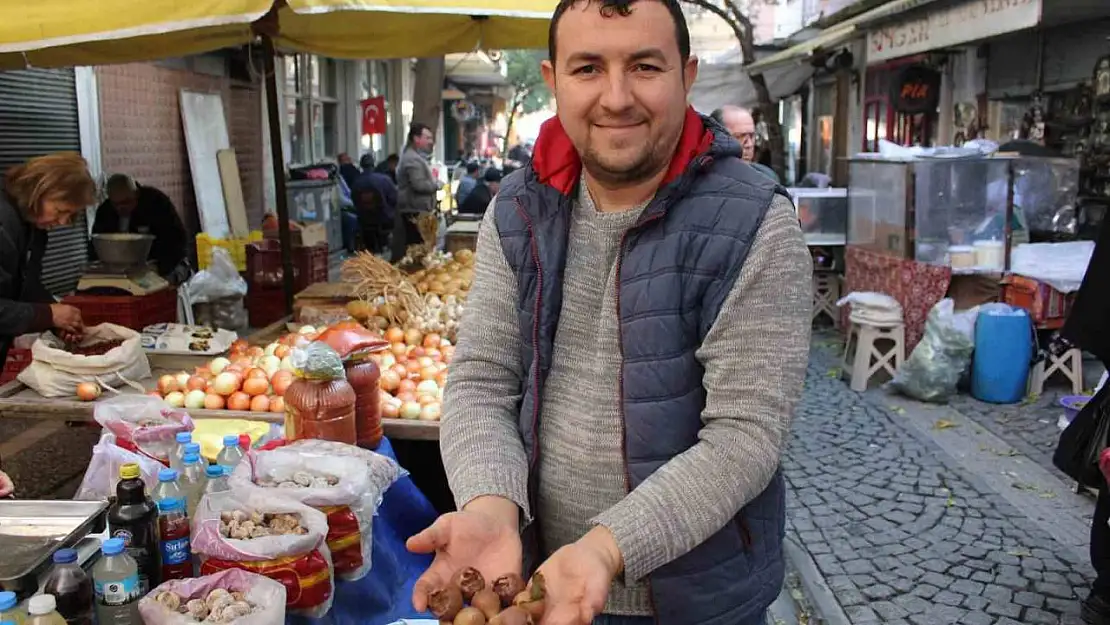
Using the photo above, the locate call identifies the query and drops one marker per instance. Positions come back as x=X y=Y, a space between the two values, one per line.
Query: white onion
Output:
x=195 y=400
x=410 y=410
x=182 y=379
x=427 y=387
x=176 y=399
x=218 y=365
x=225 y=384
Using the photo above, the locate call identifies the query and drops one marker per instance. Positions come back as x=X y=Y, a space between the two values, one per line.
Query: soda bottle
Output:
x=231 y=454
x=116 y=580
x=43 y=611
x=217 y=479
x=133 y=517
x=183 y=439
x=9 y=608
x=173 y=527
x=72 y=588
x=191 y=482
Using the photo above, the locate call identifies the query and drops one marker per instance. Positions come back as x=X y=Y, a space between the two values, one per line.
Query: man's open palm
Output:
x=459 y=540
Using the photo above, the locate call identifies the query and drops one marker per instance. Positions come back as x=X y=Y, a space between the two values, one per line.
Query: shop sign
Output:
x=970 y=20
x=917 y=90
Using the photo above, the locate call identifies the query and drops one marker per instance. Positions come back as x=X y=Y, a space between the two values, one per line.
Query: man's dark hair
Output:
x=472 y=167
x=392 y=158
x=718 y=116
x=416 y=129
x=366 y=161
x=120 y=182
x=622 y=8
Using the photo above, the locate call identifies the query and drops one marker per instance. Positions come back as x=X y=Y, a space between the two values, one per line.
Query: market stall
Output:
x=921 y=227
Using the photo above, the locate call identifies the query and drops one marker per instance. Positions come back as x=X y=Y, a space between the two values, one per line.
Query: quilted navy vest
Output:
x=675 y=268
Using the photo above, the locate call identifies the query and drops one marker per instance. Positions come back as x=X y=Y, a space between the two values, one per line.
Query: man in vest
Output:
x=634 y=342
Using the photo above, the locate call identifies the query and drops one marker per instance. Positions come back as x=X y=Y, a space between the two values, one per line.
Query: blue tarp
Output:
x=385 y=594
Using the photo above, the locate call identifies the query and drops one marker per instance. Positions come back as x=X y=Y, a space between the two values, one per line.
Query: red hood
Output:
x=557 y=164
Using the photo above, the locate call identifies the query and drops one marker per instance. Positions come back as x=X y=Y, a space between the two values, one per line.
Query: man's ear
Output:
x=547 y=68
x=689 y=73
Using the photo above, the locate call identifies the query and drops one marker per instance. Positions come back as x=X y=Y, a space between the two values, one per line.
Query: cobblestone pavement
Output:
x=901 y=533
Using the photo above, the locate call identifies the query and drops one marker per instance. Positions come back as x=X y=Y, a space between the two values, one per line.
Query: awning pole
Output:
x=274 y=118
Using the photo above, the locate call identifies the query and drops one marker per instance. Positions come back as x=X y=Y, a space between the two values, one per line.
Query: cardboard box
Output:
x=311 y=233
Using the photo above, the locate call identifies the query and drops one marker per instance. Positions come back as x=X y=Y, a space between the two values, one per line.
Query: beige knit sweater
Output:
x=754 y=357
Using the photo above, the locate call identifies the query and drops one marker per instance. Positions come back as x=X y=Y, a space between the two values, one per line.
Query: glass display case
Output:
x=823 y=214
x=944 y=211
x=1046 y=192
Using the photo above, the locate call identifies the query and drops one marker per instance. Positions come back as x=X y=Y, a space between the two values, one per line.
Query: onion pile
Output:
x=414 y=372
x=446 y=275
x=248 y=379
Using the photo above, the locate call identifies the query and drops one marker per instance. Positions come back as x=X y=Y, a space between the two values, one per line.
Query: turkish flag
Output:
x=373 y=116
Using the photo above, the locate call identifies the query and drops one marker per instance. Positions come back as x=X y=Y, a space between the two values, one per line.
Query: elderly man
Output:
x=634 y=343
x=739 y=123
x=132 y=207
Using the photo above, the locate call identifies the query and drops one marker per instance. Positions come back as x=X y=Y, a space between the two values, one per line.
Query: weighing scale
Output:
x=107 y=279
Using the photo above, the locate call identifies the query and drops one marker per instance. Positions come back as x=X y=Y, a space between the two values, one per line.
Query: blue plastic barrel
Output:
x=1003 y=353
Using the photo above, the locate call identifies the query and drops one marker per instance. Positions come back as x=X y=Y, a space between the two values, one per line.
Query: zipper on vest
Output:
x=537 y=307
x=745 y=531
x=620 y=385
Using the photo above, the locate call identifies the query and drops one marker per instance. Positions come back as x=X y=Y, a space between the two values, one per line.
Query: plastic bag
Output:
x=102 y=474
x=143 y=423
x=221 y=280
x=317 y=361
x=259 y=590
x=55 y=372
x=381 y=470
x=1082 y=444
x=349 y=505
x=933 y=370
x=301 y=562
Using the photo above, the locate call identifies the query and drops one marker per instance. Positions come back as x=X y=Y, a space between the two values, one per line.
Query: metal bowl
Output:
x=123 y=249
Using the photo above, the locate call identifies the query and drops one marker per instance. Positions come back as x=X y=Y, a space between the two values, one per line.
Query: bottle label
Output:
x=119 y=592
x=125 y=535
x=175 y=551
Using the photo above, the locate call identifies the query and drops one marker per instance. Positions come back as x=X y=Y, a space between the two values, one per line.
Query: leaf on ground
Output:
x=1048 y=495
x=1029 y=399
x=897 y=409
x=1024 y=486
x=1019 y=553
x=834 y=372
x=944 y=424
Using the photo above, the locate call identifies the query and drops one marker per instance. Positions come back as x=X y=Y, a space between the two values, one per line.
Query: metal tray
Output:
x=30 y=532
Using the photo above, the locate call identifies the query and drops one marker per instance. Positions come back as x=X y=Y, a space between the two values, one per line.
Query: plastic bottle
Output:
x=71 y=587
x=43 y=611
x=133 y=517
x=183 y=439
x=231 y=454
x=192 y=448
x=216 y=479
x=9 y=608
x=191 y=482
x=116 y=580
x=173 y=527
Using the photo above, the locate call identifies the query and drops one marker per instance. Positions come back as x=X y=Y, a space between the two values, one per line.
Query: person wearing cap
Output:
x=478 y=200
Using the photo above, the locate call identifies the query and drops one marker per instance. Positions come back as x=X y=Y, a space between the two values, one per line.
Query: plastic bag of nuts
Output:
x=217 y=599
x=299 y=558
x=337 y=486
x=470 y=600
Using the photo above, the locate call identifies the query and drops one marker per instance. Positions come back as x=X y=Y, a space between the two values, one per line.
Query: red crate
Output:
x=1047 y=307
x=130 y=311
x=265 y=306
x=264 y=270
x=17 y=361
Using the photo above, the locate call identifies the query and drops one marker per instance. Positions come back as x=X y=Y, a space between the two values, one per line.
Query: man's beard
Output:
x=647 y=164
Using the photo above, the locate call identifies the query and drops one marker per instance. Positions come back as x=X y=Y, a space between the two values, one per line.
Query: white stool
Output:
x=1070 y=364
x=867 y=357
x=826 y=292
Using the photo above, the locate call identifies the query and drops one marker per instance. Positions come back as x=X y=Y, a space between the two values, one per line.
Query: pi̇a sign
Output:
x=916 y=90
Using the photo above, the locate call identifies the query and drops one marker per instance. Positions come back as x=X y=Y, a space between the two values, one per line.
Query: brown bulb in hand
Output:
x=512 y=615
x=470 y=616
x=487 y=601
x=508 y=587
x=469 y=581
x=445 y=603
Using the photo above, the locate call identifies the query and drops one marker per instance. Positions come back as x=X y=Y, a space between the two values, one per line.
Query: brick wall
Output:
x=142 y=135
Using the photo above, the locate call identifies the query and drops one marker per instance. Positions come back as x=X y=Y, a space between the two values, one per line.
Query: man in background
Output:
x=347 y=169
x=389 y=167
x=132 y=207
x=375 y=199
x=739 y=123
x=467 y=183
x=479 y=199
x=416 y=187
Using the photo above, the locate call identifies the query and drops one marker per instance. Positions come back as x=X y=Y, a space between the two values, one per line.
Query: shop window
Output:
x=881 y=121
x=312 y=107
